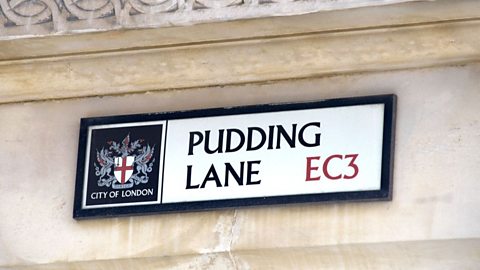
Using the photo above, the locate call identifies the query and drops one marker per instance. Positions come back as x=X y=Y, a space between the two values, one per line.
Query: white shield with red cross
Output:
x=123 y=168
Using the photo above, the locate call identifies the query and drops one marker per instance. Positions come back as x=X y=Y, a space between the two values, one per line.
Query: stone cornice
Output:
x=28 y=18
x=409 y=35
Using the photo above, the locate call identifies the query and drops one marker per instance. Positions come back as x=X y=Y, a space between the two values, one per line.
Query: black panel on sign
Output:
x=133 y=154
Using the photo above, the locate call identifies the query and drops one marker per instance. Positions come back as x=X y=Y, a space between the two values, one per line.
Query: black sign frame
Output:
x=384 y=194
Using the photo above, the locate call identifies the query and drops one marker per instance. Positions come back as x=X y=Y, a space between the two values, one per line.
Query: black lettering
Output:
x=250 y=146
x=301 y=138
x=211 y=175
x=207 y=142
x=290 y=140
x=189 y=178
x=192 y=141
x=271 y=131
x=229 y=170
x=251 y=172
x=228 y=147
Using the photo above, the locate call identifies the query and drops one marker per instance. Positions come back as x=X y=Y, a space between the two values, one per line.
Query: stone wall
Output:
x=425 y=52
x=435 y=179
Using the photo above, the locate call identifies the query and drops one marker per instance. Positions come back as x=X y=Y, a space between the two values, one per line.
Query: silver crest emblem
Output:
x=130 y=162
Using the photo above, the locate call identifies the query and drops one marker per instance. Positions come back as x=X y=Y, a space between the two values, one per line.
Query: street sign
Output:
x=329 y=150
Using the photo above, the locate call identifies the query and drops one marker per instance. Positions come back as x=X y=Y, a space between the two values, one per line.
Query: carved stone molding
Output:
x=391 y=37
x=26 y=18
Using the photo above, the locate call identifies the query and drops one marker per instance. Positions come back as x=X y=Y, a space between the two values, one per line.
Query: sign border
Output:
x=383 y=194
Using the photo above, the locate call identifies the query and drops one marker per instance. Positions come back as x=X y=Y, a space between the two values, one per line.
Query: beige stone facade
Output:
x=427 y=53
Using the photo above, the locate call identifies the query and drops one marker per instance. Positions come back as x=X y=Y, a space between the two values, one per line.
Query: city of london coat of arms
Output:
x=125 y=164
